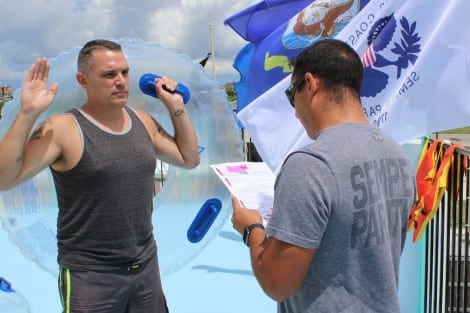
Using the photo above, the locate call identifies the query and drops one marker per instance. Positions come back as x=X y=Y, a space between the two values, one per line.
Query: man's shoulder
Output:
x=141 y=113
x=56 y=120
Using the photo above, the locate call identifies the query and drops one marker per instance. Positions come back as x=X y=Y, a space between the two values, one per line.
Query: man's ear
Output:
x=312 y=83
x=81 y=79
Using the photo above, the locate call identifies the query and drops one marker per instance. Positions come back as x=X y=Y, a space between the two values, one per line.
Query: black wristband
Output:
x=247 y=232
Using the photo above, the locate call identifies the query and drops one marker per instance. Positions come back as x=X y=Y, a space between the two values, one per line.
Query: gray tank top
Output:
x=106 y=200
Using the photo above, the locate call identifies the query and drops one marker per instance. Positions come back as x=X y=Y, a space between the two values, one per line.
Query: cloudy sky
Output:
x=35 y=28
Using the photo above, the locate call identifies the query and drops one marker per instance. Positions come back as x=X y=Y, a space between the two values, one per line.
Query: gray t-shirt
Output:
x=348 y=196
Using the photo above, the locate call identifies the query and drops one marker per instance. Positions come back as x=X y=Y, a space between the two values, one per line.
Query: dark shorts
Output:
x=137 y=289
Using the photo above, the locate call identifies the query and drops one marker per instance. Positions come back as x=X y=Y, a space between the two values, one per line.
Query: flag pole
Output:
x=212 y=49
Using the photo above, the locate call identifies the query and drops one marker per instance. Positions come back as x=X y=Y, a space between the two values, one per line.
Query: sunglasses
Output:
x=290 y=92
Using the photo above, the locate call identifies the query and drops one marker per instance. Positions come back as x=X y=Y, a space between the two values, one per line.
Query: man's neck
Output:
x=114 y=119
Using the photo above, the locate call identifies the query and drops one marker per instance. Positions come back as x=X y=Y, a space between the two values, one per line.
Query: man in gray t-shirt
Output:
x=341 y=204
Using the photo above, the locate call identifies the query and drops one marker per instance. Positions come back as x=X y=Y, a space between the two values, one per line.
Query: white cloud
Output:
x=34 y=28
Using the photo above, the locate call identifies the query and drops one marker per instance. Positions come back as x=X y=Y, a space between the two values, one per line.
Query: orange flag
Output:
x=431 y=185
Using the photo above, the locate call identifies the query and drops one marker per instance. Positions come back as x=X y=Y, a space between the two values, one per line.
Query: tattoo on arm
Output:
x=179 y=112
x=160 y=129
x=38 y=132
x=163 y=132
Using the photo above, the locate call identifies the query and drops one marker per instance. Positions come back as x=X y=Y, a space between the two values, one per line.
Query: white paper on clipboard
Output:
x=251 y=182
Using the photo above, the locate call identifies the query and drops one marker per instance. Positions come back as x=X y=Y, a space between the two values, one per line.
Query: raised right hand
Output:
x=35 y=96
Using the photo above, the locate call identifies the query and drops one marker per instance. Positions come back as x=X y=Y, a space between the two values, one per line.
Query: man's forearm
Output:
x=12 y=148
x=185 y=137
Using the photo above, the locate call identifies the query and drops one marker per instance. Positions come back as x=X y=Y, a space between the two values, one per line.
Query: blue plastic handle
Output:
x=147 y=86
x=204 y=219
x=5 y=285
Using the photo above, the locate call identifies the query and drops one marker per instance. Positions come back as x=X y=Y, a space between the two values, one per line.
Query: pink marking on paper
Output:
x=267 y=215
x=219 y=171
x=238 y=168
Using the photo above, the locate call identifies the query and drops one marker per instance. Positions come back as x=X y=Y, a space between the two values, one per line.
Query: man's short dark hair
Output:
x=334 y=62
x=86 y=53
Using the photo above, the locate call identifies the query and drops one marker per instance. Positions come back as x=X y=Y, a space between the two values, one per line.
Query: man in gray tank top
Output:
x=102 y=156
x=341 y=204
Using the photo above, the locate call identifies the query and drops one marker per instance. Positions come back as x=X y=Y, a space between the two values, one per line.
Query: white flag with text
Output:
x=416 y=57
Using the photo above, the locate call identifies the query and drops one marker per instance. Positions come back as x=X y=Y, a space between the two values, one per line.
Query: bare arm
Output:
x=182 y=148
x=279 y=267
x=20 y=157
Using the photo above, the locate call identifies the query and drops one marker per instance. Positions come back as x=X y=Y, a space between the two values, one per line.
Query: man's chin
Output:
x=121 y=100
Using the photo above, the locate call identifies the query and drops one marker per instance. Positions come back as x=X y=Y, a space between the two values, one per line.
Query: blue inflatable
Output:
x=29 y=211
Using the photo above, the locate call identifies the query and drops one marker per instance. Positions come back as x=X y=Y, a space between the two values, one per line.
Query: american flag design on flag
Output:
x=368 y=58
